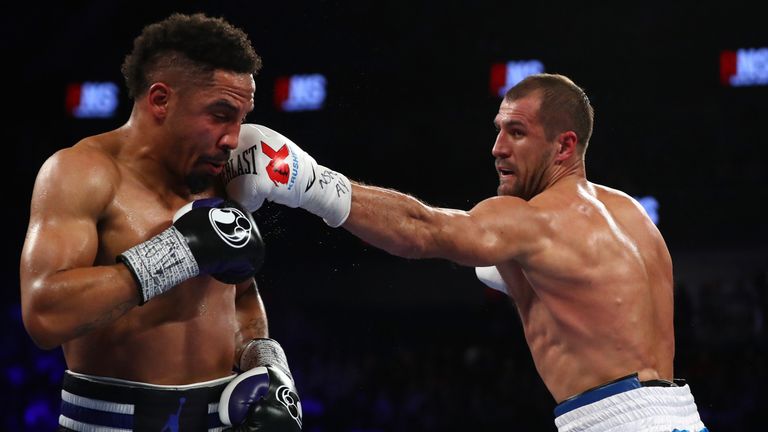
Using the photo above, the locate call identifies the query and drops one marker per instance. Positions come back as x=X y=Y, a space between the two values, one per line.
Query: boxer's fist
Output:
x=222 y=237
x=261 y=399
x=264 y=397
x=267 y=165
x=209 y=236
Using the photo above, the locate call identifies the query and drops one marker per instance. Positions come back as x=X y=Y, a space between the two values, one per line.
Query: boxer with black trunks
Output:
x=141 y=269
x=589 y=272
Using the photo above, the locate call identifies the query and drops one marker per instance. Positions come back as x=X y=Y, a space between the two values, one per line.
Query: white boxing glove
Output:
x=490 y=276
x=267 y=165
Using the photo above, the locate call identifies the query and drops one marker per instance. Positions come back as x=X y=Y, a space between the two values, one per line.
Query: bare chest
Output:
x=135 y=215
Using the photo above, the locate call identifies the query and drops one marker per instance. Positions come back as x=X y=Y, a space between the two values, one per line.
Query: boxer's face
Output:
x=207 y=123
x=522 y=151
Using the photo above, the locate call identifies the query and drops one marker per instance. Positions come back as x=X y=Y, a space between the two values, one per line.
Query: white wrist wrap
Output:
x=160 y=263
x=328 y=195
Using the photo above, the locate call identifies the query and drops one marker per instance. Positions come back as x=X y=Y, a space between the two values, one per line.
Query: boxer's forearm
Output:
x=71 y=303
x=251 y=319
x=398 y=223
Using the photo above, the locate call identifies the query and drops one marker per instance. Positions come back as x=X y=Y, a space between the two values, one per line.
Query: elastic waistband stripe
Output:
x=96 y=417
x=85 y=427
x=96 y=404
x=608 y=390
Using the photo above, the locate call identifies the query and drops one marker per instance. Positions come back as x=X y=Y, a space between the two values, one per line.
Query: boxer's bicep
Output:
x=495 y=231
x=60 y=247
x=67 y=200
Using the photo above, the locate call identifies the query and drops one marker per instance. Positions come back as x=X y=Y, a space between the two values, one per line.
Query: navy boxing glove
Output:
x=242 y=252
x=208 y=237
x=263 y=398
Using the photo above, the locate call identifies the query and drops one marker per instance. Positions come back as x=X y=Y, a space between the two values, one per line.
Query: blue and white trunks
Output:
x=100 y=404
x=629 y=405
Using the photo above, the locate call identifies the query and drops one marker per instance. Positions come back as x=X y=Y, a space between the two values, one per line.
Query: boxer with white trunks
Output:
x=589 y=272
x=634 y=405
x=628 y=404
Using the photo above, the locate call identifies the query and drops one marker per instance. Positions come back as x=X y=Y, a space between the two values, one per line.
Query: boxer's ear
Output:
x=566 y=146
x=158 y=96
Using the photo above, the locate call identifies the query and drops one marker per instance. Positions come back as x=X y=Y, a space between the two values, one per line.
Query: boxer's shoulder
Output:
x=77 y=172
x=88 y=158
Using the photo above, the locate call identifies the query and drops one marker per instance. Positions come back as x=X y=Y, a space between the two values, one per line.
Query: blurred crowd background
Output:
x=380 y=343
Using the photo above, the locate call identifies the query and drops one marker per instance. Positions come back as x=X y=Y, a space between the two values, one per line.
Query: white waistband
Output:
x=86 y=427
x=646 y=409
x=126 y=383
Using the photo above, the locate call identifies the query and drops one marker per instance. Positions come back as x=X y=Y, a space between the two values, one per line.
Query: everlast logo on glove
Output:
x=293 y=177
x=241 y=163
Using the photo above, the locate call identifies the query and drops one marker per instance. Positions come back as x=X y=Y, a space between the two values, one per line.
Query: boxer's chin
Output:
x=198 y=182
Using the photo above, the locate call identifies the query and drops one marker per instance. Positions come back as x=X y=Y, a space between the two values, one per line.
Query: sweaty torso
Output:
x=183 y=336
x=596 y=302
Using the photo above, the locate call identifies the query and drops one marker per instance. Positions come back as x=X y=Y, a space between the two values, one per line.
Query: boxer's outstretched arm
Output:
x=269 y=166
x=63 y=295
x=496 y=230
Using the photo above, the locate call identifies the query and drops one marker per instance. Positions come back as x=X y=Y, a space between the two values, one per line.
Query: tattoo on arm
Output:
x=252 y=319
x=105 y=318
x=256 y=328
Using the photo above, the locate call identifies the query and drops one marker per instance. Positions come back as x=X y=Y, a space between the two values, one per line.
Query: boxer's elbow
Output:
x=45 y=343
x=41 y=331
x=40 y=323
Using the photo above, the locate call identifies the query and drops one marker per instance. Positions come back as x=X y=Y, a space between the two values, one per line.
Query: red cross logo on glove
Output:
x=278 y=168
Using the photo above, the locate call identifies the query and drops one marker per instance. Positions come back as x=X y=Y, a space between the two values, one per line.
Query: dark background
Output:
x=382 y=343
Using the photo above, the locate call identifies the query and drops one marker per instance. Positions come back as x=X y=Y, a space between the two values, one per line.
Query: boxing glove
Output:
x=263 y=398
x=267 y=165
x=208 y=237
